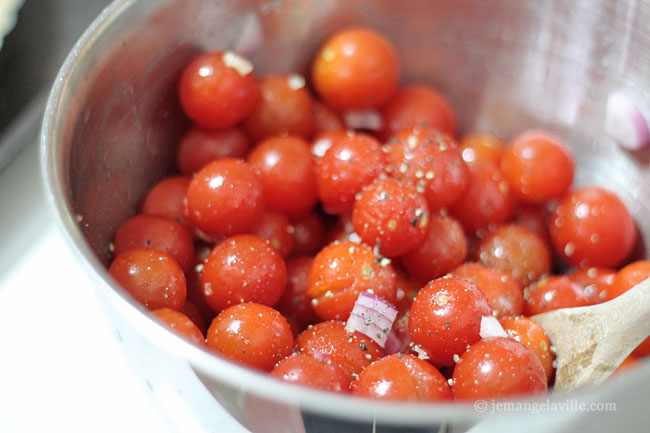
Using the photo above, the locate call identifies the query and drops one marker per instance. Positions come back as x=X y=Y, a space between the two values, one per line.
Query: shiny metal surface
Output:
x=112 y=124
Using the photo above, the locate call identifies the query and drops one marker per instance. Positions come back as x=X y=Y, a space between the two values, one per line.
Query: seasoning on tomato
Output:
x=552 y=293
x=243 y=268
x=287 y=169
x=445 y=317
x=495 y=368
x=226 y=197
x=402 y=377
x=252 y=334
x=151 y=276
x=392 y=215
x=341 y=271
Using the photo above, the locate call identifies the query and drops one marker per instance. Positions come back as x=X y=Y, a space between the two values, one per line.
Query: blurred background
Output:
x=30 y=55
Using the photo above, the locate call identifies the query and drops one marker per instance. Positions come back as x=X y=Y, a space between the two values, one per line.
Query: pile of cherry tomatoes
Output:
x=281 y=215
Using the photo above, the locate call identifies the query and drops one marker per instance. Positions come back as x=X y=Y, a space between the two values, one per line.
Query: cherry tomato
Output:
x=392 y=215
x=308 y=234
x=504 y=294
x=218 y=89
x=226 y=197
x=308 y=370
x=341 y=271
x=532 y=335
x=592 y=227
x=181 y=324
x=252 y=334
x=538 y=167
x=288 y=171
x=167 y=198
x=294 y=302
x=326 y=118
x=495 y=368
x=150 y=231
x=418 y=106
x=402 y=377
x=516 y=251
x=151 y=276
x=352 y=161
x=275 y=228
x=356 y=69
x=596 y=282
x=432 y=162
x=552 y=293
x=487 y=199
x=351 y=351
x=626 y=278
x=443 y=249
x=193 y=312
x=199 y=147
x=284 y=107
x=243 y=268
x=481 y=148
x=629 y=363
x=535 y=218
x=445 y=317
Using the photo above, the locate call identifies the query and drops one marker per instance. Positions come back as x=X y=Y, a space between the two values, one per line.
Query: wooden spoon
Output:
x=590 y=342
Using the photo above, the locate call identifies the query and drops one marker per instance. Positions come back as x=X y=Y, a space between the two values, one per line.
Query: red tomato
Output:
x=351 y=351
x=443 y=249
x=284 y=107
x=199 y=147
x=356 y=69
x=532 y=335
x=152 y=277
x=243 y=268
x=552 y=293
x=432 y=162
x=592 y=227
x=487 y=199
x=624 y=280
x=326 y=118
x=226 y=197
x=445 y=317
x=392 y=215
x=294 y=302
x=341 y=271
x=275 y=228
x=495 y=368
x=252 y=334
x=352 y=161
x=308 y=370
x=168 y=199
x=418 y=106
x=402 y=377
x=308 y=234
x=516 y=251
x=538 y=167
x=181 y=324
x=504 y=294
x=149 y=231
x=288 y=171
x=218 y=89
x=193 y=312
x=481 y=148
x=596 y=282
x=535 y=218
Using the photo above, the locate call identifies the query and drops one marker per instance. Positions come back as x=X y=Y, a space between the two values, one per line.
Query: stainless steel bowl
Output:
x=113 y=122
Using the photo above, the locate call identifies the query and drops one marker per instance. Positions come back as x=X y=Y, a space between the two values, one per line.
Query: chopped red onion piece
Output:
x=491 y=327
x=373 y=316
x=370 y=120
x=625 y=123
